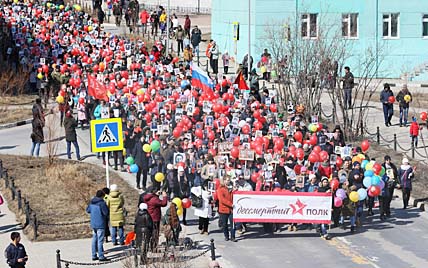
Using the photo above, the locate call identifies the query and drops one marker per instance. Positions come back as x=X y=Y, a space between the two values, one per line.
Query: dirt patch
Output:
x=60 y=194
x=10 y=114
x=18 y=100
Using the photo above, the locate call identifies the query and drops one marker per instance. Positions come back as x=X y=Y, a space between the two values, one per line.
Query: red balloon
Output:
x=140 y=98
x=297 y=169
x=313 y=140
x=334 y=184
x=234 y=152
x=211 y=135
x=300 y=154
x=258 y=125
x=424 y=116
x=391 y=99
x=237 y=141
x=374 y=191
x=177 y=132
x=365 y=145
x=213 y=152
x=273 y=108
x=62 y=93
x=298 y=136
x=377 y=168
x=186 y=203
x=316 y=149
x=199 y=133
x=198 y=143
x=257 y=114
x=313 y=157
x=339 y=161
x=259 y=149
x=245 y=129
x=323 y=156
x=81 y=100
x=254 y=177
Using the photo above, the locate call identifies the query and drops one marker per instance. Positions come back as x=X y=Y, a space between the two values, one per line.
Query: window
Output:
x=350 y=25
x=425 y=25
x=391 y=25
x=309 y=26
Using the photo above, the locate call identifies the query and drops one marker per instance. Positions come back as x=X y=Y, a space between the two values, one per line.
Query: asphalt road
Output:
x=399 y=242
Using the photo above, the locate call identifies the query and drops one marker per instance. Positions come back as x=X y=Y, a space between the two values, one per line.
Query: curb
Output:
x=16 y=124
x=417 y=203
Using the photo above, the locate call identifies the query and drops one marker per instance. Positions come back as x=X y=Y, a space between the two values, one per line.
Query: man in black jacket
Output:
x=142 y=161
x=15 y=253
x=143 y=229
x=392 y=172
x=348 y=84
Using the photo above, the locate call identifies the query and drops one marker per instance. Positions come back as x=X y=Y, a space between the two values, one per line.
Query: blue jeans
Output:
x=114 y=232
x=76 y=147
x=404 y=113
x=352 y=219
x=348 y=98
x=35 y=147
x=323 y=228
x=97 y=243
x=388 y=111
x=227 y=219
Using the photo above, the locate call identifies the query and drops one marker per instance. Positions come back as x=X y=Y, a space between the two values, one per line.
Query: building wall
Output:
x=395 y=56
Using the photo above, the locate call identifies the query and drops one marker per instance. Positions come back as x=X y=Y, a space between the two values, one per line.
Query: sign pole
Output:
x=107 y=174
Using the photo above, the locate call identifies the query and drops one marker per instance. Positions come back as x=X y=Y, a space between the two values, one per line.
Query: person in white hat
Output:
x=405 y=177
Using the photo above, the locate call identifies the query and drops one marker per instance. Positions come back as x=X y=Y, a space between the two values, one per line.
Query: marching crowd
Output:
x=190 y=142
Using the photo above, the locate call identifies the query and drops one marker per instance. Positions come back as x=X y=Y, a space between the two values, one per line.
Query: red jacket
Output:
x=154 y=205
x=225 y=200
x=414 y=129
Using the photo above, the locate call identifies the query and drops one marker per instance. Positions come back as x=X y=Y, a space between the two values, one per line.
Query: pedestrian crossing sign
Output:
x=106 y=135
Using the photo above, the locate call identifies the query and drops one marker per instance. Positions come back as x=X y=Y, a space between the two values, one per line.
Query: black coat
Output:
x=70 y=125
x=140 y=157
x=37 y=134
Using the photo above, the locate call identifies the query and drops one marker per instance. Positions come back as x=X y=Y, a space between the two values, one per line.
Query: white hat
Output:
x=113 y=187
x=170 y=166
x=312 y=176
x=142 y=206
x=405 y=161
x=180 y=168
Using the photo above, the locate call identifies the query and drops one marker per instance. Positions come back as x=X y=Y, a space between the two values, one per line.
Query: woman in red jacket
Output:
x=225 y=208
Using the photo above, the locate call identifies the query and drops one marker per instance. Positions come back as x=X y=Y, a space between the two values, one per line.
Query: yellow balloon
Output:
x=40 y=75
x=90 y=28
x=140 y=92
x=159 y=177
x=369 y=166
x=77 y=8
x=61 y=7
x=177 y=202
x=179 y=211
x=48 y=4
x=362 y=157
x=60 y=99
x=407 y=98
x=353 y=196
x=147 y=148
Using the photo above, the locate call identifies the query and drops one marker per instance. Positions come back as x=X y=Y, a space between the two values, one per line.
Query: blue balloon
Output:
x=368 y=173
x=75 y=99
x=381 y=184
x=133 y=168
x=367 y=182
x=362 y=194
x=151 y=57
x=184 y=83
x=375 y=180
x=364 y=163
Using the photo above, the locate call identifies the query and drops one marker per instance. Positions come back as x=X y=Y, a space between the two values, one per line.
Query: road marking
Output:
x=343 y=246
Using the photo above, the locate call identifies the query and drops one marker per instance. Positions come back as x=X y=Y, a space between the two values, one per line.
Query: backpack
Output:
x=197 y=201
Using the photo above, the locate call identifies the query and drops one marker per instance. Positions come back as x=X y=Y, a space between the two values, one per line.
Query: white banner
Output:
x=285 y=207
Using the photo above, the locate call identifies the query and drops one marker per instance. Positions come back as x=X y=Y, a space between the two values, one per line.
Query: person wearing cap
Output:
x=391 y=172
x=70 y=125
x=115 y=203
x=143 y=229
x=405 y=177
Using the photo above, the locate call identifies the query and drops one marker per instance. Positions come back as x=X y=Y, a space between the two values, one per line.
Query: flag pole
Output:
x=249 y=41
x=107 y=173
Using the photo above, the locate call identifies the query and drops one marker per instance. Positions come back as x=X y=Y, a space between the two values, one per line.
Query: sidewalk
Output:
x=43 y=254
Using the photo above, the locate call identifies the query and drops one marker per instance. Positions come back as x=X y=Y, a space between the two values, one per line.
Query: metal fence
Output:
x=180 y=9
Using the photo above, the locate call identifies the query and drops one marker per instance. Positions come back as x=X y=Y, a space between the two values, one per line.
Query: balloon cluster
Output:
x=181 y=203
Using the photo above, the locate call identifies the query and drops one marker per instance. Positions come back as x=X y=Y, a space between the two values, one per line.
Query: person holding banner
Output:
x=225 y=208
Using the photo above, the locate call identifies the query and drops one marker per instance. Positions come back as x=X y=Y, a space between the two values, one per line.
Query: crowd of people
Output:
x=190 y=142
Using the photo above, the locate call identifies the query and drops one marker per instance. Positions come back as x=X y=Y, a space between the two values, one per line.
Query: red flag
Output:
x=96 y=89
x=240 y=81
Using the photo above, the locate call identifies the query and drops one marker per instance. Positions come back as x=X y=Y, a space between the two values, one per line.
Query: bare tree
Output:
x=53 y=136
x=308 y=68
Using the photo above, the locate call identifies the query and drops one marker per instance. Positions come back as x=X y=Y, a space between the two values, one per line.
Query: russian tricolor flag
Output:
x=200 y=79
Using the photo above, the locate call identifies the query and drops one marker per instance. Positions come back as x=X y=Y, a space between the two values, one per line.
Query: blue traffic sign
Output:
x=106 y=135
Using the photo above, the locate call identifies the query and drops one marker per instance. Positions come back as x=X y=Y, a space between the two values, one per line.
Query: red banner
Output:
x=96 y=89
